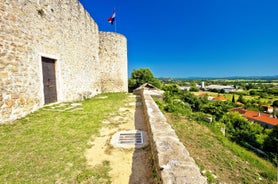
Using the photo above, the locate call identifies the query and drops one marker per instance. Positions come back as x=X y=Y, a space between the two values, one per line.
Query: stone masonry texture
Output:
x=173 y=163
x=113 y=58
x=63 y=31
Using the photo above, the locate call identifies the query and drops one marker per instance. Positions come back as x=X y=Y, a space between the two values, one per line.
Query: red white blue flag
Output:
x=112 y=18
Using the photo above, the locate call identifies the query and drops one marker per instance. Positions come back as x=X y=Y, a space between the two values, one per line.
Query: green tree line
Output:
x=237 y=128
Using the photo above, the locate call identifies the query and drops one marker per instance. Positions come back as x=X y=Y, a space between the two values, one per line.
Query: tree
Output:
x=241 y=99
x=218 y=108
x=271 y=142
x=263 y=95
x=171 y=88
x=253 y=92
x=192 y=100
x=142 y=76
x=194 y=89
x=249 y=86
x=233 y=99
x=275 y=104
x=237 y=127
x=222 y=91
x=213 y=109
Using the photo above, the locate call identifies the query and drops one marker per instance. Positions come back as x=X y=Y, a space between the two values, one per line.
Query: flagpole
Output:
x=112 y=20
x=115 y=20
x=115 y=25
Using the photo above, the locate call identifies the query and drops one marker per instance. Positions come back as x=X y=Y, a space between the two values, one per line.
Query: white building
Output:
x=227 y=89
x=185 y=88
x=203 y=85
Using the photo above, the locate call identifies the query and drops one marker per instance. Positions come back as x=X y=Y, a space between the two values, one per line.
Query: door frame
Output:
x=57 y=76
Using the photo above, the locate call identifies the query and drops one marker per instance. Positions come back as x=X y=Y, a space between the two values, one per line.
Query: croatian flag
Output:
x=111 y=19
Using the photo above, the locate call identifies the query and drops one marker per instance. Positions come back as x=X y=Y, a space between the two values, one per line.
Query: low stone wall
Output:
x=173 y=162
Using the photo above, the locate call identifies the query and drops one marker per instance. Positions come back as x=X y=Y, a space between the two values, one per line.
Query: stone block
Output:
x=21 y=101
x=14 y=70
x=2 y=54
x=29 y=100
x=15 y=96
x=9 y=103
x=6 y=112
x=7 y=82
x=3 y=74
x=1 y=103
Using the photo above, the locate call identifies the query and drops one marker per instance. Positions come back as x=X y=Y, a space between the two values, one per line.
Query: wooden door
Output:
x=49 y=80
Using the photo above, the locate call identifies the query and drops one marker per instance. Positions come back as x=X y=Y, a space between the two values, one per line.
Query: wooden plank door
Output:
x=49 y=80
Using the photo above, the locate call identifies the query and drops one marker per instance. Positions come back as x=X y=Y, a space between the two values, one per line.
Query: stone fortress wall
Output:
x=113 y=60
x=87 y=62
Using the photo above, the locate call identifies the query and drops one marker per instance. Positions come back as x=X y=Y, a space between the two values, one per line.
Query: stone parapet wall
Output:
x=62 y=31
x=173 y=162
x=113 y=58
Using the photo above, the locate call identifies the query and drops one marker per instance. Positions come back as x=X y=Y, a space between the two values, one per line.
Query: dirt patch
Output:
x=127 y=165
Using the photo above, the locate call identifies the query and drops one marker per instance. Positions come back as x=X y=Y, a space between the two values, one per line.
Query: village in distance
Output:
x=243 y=109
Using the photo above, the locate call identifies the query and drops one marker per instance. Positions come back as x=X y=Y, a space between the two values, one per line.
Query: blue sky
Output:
x=195 y=38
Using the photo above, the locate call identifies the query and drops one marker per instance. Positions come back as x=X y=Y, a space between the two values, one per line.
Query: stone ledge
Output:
x=172 y=161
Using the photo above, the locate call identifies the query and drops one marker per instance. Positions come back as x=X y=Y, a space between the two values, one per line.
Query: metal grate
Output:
x=131 y=138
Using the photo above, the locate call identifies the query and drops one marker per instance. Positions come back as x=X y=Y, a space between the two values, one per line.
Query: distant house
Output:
x=263 y=119
x=198 y=86
x=184 y=88
x=227 y=89
x=267 y=108
x=203 y=95
x=239 y=90
x=206 y=95
x=219 y=98
x=150 y=89
x=211 y=98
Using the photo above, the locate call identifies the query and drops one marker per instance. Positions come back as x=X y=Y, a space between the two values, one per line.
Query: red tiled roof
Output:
x=219 y=98
x=265 y=118
x=256 y=116
x=203 y=94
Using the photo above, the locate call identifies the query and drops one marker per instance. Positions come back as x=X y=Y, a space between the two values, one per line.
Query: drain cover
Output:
x=131 y=138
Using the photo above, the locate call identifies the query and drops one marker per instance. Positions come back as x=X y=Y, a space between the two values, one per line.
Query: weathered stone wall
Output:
x=113 y=56
x=173 y=162
x=56 y=29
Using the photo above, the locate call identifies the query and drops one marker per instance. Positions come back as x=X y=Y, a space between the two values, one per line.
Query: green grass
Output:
x=48 y=146
x=99 y=174
x=216 y=154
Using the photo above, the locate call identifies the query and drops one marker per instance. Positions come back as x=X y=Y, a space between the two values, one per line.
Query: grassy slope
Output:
x=48 y=146
x=228 y=161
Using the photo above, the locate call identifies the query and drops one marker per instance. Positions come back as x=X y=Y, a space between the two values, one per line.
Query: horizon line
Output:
x=239 y=77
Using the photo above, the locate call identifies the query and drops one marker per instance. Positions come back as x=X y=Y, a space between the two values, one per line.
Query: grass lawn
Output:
x=48 y=146
x=214 y=153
